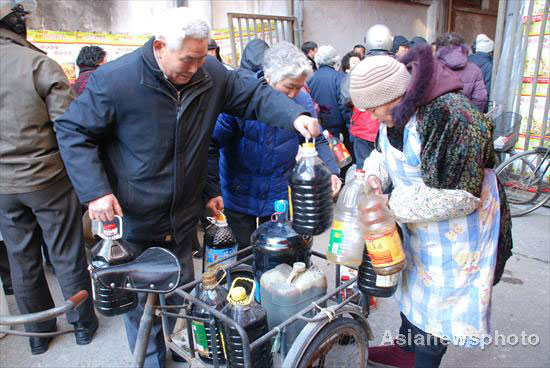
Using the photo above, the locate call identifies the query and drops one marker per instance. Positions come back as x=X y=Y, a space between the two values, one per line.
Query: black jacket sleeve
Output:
x=80 y=131
x=253 y=99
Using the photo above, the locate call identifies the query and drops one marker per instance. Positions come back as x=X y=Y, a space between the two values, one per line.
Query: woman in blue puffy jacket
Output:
x=256 y=160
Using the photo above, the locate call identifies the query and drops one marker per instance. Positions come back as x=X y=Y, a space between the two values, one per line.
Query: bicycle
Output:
x=337 y=335
x=524 y=177
x=506 y=128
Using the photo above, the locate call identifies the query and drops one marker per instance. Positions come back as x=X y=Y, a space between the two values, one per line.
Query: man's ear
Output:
x=158 y=45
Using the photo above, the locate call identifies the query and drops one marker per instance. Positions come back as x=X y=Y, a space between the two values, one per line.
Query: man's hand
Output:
x=307 y=126
x=104 y=208
x=336 y=184
x=215 y=205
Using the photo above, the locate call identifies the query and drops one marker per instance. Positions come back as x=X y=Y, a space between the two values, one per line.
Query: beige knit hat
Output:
x=377 y=80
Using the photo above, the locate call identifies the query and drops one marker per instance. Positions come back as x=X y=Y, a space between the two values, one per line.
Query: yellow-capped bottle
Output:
x=243 y=309
x=381 y=236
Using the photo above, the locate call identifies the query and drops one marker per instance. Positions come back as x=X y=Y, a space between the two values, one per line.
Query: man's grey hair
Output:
x=176 y=24
x=327 y=55
x=284 y=60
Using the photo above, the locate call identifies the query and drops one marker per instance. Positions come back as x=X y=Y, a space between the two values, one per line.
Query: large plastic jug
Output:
x=210 y=292
x=252 y=317
x=110 y=251
x=310 y=193
x=346 y=242
x=286 y=290
x=219 y=242
x=275 y=242
x=381 y=235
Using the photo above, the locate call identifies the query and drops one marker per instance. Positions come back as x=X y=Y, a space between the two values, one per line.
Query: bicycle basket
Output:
x=506 y=131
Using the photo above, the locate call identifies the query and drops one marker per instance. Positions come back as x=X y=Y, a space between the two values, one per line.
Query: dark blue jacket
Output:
x=485 y=62
x=256 y=161
x=325 y=90
x=133 y=134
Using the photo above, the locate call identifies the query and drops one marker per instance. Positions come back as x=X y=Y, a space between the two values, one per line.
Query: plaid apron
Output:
x=445 y=290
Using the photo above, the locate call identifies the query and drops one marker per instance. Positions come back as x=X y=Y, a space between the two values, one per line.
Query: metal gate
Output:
x=270 y=28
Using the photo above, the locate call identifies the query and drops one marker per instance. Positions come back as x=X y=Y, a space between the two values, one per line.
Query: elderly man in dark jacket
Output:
x=37 y=200
x=136 y=141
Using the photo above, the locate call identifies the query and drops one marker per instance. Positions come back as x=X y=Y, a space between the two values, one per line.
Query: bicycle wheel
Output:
x=341 y=343
x=522 y=176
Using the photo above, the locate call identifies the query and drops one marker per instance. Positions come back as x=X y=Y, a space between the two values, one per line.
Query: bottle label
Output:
x=336 y=238
x=212 y=255
x=385 y=249
x=199 y=333
x=386 y=281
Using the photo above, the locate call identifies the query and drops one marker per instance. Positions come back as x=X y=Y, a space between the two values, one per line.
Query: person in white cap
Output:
x=483 y=58
x=436 y=148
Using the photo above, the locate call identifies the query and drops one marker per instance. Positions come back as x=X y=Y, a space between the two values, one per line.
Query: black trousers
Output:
x=53 y=214
x=4 y=265
x=429 y=353
x=156 y=349
x=243 y=226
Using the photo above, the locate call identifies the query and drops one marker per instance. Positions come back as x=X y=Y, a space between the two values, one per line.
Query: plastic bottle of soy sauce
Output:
x=210 y=292
x=219 y=242
x=310 y=193
x=244 y=310
x=110 y=251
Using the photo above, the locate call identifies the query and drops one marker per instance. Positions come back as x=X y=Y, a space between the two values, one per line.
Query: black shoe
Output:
x=39 y=345
x=85 y=331
x=177 y=358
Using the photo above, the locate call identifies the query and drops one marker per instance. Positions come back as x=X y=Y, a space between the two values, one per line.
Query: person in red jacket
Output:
x=364 y=128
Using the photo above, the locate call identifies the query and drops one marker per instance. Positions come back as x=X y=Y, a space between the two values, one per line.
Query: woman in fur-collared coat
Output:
x=436 y=149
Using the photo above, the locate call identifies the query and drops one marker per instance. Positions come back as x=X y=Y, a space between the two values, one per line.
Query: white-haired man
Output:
x=136 y=141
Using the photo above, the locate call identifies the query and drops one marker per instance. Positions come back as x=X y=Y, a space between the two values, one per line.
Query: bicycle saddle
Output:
x=156 y=270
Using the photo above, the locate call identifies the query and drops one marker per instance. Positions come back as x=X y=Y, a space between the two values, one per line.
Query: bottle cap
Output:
x=238 y=294
x=281 y=206
x=220 y=219
x=109 y=226
x=308 y=147
x=299 y=266
x=345 y=278
x=208 y=279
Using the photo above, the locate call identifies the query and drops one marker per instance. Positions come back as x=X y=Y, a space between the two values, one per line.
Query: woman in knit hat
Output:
x=436 y=149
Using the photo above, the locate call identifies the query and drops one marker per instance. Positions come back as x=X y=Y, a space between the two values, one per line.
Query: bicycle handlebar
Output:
x=70 y=304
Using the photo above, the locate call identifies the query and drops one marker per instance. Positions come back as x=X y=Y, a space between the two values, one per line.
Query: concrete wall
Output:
x=109 y=16
x=344 y=23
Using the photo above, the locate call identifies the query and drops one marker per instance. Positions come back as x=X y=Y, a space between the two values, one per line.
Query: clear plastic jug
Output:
x=346 y=242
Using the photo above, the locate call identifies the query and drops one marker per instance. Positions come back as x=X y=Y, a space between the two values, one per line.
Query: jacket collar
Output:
x=152 y=65
x=15 y=38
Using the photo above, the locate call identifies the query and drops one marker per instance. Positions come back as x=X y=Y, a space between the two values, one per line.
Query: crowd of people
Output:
x=161 y=134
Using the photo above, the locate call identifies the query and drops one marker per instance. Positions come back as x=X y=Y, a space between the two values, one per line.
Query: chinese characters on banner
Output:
x=64 y=47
